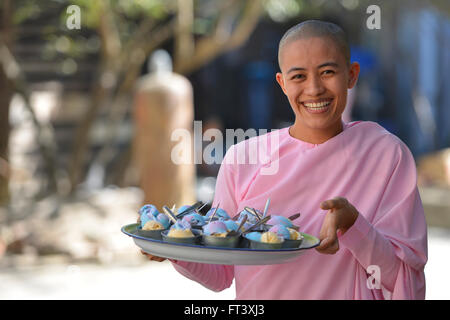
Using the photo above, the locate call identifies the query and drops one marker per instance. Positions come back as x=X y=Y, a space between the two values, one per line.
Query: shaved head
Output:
x=316 y=29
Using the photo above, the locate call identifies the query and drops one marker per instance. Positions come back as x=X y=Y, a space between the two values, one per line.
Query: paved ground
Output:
x=89 y=281
x=102 y=282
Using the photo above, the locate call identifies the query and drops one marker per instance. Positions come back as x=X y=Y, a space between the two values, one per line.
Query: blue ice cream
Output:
x=231 y=225
x=219 y=214
x=280 y=220
x=251 y=218
x=182 y=208
x=255 y=236
x=281 y=231
x=147 y=212
x=194 y=219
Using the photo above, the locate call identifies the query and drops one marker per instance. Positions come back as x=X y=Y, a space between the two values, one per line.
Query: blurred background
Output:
x=87 y=110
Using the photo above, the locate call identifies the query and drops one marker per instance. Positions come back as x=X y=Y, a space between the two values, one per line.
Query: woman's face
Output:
x=315 y=77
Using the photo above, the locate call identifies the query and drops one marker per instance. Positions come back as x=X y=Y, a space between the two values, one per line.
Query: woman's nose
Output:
x=314 y=86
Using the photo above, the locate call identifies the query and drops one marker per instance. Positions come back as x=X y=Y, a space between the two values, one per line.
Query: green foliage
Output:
x=26 y=10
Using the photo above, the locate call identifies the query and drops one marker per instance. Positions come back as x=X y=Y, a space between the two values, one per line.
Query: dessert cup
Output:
x=196 y=239
x=227 y=241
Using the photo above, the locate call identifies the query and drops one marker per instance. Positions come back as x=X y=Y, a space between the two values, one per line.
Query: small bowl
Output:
x=200 y=228
x=189 y=240
x=153 y=234
x=287 y=243
x=265 y=246
x=227 y=242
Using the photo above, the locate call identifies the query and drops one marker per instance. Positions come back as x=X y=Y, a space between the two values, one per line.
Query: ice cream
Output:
x=245 y=226
x=152 y=221
x=231 y=225
x=291 y=237
x=295 y=235
x=194 y=219
x=215 y=228
x=219 y=214
x=281 y=231
x=148 y=208
x=147 y=212
x=251 y=218
x=163 y=219
x=182 y=208
x=153 y=225
x=180 y=233
x=217 y=233
x=270 y=237
x=274 y=220
x=255 y=236
x=180 y=230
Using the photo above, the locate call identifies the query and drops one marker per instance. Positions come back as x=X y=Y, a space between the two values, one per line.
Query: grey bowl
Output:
x=227 y=242
x=153 y=234
x=200 y=228
x=265 y=246
x=196 y=239
x=292 y=243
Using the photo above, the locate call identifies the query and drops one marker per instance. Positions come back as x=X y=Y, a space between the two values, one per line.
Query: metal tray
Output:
x=242 y=255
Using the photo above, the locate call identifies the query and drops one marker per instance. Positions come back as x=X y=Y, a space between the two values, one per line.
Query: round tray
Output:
x=218 y=255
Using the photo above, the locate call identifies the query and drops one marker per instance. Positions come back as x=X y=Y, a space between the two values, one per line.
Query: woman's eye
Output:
x=298 y=76
x=328 y=72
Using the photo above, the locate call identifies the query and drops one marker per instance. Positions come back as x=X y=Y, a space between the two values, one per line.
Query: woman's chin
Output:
x=321 y=125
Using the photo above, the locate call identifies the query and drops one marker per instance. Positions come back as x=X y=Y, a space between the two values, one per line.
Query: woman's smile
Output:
x=317 y=106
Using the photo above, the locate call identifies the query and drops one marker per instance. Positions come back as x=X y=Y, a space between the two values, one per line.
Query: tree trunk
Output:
x=6 y=93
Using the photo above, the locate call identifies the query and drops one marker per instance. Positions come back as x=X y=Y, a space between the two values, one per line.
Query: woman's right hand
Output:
x=149 y=256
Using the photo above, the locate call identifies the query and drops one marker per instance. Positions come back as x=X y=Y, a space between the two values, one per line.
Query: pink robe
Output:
x=366 y=164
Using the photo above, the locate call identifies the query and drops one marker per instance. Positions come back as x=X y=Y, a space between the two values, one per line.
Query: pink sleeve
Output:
x=396 y=239
x=212 y=276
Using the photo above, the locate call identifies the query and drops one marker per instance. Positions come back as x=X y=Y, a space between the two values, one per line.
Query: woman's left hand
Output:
x=341 y=216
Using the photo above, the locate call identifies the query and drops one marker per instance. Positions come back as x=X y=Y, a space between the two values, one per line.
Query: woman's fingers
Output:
x=328 y=246
x=151 y=257
x=328 y=234
x=335 y=203
x=159 y=259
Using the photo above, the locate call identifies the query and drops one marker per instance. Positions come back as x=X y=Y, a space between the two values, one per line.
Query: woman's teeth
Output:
x=317 y=105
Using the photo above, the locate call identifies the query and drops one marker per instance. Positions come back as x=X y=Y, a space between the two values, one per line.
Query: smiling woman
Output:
x=362 y=176
x=315 y=76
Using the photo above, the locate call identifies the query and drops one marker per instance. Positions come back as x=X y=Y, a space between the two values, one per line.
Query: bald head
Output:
x=316 y=29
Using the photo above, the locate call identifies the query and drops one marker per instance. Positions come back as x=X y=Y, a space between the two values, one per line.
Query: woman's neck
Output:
x=315 y=136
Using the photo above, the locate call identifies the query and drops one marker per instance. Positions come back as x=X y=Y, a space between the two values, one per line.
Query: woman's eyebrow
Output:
x=296 y=69
x=328 y=64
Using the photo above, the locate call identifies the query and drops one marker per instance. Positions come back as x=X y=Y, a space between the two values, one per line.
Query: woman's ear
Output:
x=353 y=74
x=280 y=80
